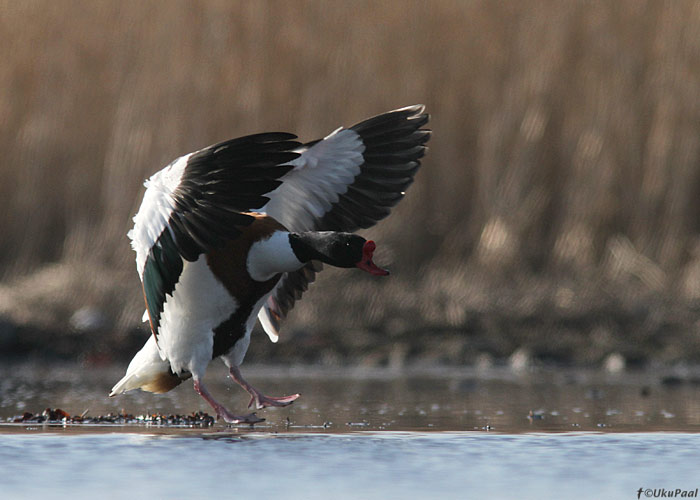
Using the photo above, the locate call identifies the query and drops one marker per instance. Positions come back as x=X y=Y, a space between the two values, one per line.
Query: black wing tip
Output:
x=394 y=145
x=395 y=130
x=414 y=110
x=395 y=137
x=414 y=115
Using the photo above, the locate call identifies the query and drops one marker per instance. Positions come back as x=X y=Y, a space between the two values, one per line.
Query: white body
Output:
x=198 y=305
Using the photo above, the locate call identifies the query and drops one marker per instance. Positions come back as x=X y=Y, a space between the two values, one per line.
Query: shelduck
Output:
x=238 y=231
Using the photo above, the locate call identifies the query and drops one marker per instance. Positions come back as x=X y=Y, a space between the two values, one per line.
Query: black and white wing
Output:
x=349 y=180
x=196 y=203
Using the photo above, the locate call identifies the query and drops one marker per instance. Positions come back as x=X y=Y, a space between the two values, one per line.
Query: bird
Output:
x=238 y=230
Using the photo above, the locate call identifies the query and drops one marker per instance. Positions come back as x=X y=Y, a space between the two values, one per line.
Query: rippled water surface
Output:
x=360 y=434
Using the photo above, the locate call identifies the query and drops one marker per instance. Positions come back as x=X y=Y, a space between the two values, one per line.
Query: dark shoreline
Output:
x=478 y=319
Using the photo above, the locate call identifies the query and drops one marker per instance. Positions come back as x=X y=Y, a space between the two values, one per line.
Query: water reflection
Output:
x=347 y=401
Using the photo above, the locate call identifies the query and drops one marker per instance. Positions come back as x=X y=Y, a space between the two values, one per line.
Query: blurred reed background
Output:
x=555 y=218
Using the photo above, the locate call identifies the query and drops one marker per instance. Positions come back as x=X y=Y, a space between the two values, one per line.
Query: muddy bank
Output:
x=544 y=160
x=475 y=319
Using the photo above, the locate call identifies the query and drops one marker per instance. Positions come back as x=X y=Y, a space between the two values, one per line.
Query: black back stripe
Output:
x=223 y=180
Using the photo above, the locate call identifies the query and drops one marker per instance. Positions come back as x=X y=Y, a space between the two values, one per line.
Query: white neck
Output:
x=272 y=256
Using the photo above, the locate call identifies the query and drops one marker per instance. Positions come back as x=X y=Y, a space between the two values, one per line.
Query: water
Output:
x=358 y=434
x=355 y=465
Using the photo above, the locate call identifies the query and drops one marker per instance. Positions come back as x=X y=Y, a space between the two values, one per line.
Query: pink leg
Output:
x=257 y=397
x=223 y=412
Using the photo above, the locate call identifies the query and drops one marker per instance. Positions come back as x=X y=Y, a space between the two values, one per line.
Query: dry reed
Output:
x=566 y=139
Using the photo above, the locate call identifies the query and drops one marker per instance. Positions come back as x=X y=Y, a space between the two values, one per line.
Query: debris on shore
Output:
x=58 y=416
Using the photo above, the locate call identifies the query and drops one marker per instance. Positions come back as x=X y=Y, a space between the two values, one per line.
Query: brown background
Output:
x=556 y=214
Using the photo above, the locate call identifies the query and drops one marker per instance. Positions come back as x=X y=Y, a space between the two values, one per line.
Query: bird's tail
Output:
x=148 y=371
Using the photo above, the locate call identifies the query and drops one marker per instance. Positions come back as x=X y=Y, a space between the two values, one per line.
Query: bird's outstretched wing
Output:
x=197 y=202
x=349 y=180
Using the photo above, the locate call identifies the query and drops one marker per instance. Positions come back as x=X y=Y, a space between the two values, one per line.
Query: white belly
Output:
x=199 y=304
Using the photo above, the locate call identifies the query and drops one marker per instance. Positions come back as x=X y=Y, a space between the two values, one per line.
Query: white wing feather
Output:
x=155 y=210
x=322 y=173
